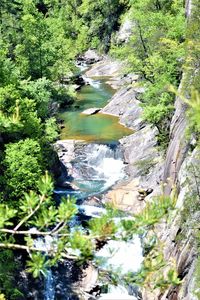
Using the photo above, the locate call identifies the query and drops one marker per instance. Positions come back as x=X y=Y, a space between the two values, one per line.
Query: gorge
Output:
x=99 y=148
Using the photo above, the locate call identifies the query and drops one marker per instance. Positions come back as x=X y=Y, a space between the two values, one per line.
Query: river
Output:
x=100 y=128
x=97 y=166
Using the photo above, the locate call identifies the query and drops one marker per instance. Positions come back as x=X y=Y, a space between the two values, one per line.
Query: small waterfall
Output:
x=94 y=83
x=121 y=257
x=82 y=66
x=97 y=167
x=49 y=286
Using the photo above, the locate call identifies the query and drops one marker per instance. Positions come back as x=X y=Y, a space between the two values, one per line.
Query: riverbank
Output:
x=124 y=173
x=144 y=165
x=147 y=169
x=144 y=161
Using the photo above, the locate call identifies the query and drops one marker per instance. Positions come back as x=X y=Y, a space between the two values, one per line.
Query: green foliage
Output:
x=151 y=215
x=63 y=94
x=103 y=227
x=191 y=68
x=37 y=265
x=67 y=210
x=83 y=244
x=156 y=273
x=100 y=19
x=39 y=91
x=51 y=130
x=23 y=162
x=194 y=111
x=45 y=185
x=6 y=214
x=8 y=270
x=155 y=52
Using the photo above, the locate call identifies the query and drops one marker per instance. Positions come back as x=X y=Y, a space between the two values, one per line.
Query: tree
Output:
x=38 y=216
x=101 y=19
x=23 y=161
x=156 y=52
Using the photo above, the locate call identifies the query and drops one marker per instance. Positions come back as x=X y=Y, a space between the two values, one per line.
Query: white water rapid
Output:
x=121 y=257
x=97 y=168
x=94 y=170
x=94 y=83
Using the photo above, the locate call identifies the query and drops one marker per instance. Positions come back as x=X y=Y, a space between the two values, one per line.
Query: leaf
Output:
x=45 y=218
x=67 y=209
x=45 y=185
x=6 y=214
x=37 y=265
x=29 y=202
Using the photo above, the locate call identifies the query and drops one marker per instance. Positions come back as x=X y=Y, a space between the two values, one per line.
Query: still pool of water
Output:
x=99 y=127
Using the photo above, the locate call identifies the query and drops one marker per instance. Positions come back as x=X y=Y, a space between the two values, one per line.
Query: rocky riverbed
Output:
x=145 y=167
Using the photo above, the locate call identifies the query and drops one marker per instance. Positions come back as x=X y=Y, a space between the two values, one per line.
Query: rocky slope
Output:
x=147 y=168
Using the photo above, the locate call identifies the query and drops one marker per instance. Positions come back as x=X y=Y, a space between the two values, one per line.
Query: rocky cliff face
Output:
x=178 y=235
x=146 y=168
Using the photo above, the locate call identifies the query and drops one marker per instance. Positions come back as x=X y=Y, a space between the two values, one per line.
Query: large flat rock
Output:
x=142 y=157
x=105 y=68
x=91 y=111
x=126 y=197
x=144 y=161
x=124 y=104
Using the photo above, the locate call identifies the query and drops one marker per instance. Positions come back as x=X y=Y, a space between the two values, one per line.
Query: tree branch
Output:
x=56 y=228
x=25 y=219
x=142 y=40
x=24 y=232
x=28 y=249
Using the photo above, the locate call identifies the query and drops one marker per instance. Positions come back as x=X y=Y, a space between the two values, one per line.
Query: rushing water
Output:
x=49 y=286
x=98 y=127
x=97 y=166
x=95 y=169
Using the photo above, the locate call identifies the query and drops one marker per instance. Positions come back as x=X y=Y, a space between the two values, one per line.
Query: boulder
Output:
x=89 y=278
x=90 y=57
x=124 y=104
x=91 y=111
x=107 y=67
x=78 y=80
x=126 y=197
x=125 y=31
x=141 y=154
x=66 y=153
x=142 y=158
